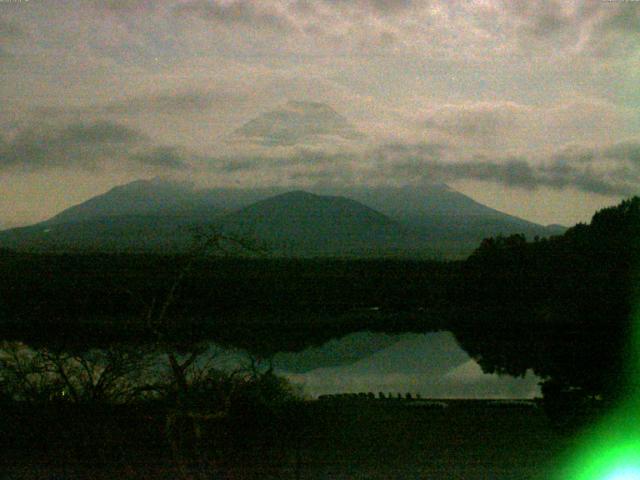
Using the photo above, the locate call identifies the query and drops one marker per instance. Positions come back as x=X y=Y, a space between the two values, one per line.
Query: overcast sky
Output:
x=530 y=107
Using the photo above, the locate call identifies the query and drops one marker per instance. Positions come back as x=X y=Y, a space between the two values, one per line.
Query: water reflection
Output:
x=432 y=365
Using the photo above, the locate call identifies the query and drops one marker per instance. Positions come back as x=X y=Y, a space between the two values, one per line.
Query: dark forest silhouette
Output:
x=561 y=307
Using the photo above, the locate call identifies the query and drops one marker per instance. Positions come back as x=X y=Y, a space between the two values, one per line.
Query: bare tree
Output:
x=25 y=376
x=189 y=371
x=117 y=374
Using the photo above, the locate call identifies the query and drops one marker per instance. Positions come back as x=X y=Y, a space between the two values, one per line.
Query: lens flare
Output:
x=606 y=455
x=624 y=473
x=611 y=449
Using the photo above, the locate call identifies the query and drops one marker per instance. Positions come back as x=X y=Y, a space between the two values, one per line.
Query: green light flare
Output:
x=611 y=450
x=631 y=473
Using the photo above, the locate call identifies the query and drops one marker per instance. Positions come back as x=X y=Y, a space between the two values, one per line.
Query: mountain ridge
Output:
x=369 y=221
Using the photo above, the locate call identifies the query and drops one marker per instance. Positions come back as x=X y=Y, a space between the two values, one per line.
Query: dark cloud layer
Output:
x=168 y=157
x=593 y=26
x=94 y=133
x=612 y=171
x=169 y=103
x=579 y=169
x=81 y=145
x=162 y=103
x=377 y=6
x=624 y=151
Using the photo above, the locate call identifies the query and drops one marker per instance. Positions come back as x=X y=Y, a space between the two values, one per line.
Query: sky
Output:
x=529 y=107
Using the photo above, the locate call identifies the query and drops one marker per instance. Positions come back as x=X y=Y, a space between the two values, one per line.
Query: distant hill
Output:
x=301 y=223
x=296 y=122
x=157 y=215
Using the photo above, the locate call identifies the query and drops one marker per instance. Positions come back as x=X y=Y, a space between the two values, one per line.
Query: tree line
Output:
x=563 y=307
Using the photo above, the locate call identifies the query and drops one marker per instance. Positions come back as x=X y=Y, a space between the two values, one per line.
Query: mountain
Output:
x=294 y=223
x=448 y=220
x=296 y=123
x=301 y=223
x=141 y=197
x=158 y=198
x=159 y=215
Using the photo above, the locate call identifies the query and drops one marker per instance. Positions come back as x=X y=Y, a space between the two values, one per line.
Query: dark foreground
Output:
x=310 y=440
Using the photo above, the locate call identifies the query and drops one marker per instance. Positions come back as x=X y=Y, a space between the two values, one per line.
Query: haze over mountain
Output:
x=296 y=122
x=157 y=215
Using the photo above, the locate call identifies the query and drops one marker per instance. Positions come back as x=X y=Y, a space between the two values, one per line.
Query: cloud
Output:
x=44 y=146
x=478 y=119
x=540 y=18
x=124 y=6
x=611 y=171
x=584 y=27
x=629 y=151
x=304 y=160
x=82 y=145
x=162 y=103
x=625 y=18
x=409 y=151
x=502 y=128
x=379 y=7
x=183 y=102
x=238 y=12
x=10 y=30
x=585 y=169
x=168 y=157
x=94 y=133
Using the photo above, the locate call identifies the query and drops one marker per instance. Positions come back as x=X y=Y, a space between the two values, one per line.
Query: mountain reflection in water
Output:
x=431 y=364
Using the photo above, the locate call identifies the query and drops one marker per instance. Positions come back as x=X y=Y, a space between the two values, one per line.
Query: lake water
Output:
x=431 y=364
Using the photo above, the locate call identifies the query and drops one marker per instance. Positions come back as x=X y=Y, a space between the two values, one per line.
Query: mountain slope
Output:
x=302 y=223
x=158 y=215
x=448 y=220
x=158 y=198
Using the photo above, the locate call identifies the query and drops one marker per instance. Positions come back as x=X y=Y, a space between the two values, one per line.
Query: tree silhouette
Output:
x=561 y=307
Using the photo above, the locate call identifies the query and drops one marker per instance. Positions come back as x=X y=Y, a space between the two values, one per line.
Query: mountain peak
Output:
x=296 y=122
